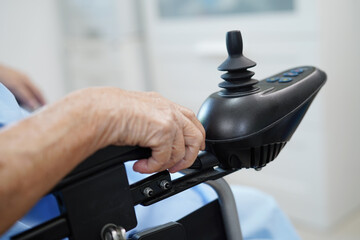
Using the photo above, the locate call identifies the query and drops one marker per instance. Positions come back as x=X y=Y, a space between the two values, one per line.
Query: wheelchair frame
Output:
x=97 y=202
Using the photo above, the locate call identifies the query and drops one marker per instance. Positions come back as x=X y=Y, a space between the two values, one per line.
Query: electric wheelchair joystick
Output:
x=249 y=121
x=247 y=124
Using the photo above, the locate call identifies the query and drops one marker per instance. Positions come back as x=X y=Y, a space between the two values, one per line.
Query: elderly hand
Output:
x=57 y=138
x=28 y=95
x=148 y=120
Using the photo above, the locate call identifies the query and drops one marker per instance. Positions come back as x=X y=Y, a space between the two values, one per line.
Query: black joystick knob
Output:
x=238 y=78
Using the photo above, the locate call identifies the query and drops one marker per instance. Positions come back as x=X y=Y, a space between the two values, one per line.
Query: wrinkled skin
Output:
x=40 y=150
x=172 y=132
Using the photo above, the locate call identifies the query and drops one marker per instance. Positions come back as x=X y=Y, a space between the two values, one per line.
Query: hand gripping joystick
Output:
x=238 y=79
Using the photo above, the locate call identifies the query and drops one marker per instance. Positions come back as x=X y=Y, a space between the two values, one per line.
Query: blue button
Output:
x=285 y=79
x=298 y=70
x=290 y=74
x=273 y=79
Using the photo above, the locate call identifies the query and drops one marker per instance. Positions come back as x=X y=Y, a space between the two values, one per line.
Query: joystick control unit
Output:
x=249 y=121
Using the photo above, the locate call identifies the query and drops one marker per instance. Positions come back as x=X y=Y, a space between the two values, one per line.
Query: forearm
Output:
x=37 y=152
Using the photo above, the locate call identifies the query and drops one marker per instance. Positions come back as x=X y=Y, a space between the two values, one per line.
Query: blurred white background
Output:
x=174 y=47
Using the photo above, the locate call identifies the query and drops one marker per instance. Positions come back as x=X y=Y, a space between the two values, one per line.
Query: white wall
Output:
x=30 y=41
x=102 y=44
x=340 y=56
x=34 y=40
x=321 y=187
x=315 y=178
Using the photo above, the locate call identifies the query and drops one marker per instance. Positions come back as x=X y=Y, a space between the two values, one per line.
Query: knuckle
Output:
x=189 y=113
x=167 y=125
x=192 y=115
x=169 y=121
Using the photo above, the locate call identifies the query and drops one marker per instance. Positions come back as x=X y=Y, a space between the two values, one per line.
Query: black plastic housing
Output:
x=248 y=131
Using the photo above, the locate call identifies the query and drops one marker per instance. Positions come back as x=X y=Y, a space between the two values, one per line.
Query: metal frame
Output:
x=228 y=208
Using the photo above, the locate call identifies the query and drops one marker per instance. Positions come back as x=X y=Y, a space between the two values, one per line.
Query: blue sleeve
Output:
x=46 y=208
x=10 y=111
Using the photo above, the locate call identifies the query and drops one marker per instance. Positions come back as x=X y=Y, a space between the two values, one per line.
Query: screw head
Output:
x=148 y=192
x=112 y=232
x=165 y=184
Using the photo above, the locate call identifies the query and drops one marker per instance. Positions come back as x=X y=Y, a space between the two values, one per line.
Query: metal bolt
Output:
x=165 y=184
x=148 y=192
x=113 y=232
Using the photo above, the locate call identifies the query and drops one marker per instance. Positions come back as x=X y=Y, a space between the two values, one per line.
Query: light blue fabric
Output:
x=9 y=108
x=260 y=216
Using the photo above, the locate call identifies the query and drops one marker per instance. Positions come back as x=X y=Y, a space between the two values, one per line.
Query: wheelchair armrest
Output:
x=102 y=159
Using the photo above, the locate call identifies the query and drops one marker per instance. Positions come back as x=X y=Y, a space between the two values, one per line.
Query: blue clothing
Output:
x=9 y=108
x=260 y=216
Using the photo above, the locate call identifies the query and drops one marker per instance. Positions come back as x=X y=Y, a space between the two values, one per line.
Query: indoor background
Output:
x=174 y=47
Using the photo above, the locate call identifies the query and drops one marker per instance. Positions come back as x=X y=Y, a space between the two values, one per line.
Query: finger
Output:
x=37 y=95
x=156 y=162
x=191 y=154
x=185 y=111
x=35 y=92
x=193 y=141
x=149 y=165
x=177 y=150
x=192 y=117
x=26 y=98
x=179 y=166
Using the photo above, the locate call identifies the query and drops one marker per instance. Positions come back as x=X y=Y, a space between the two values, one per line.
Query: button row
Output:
x=287 y=76
x=294 y=72
x=290 y=74
x=278 y=79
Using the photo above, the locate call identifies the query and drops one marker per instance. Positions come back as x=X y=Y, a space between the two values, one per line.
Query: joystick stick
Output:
x=237 y=79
